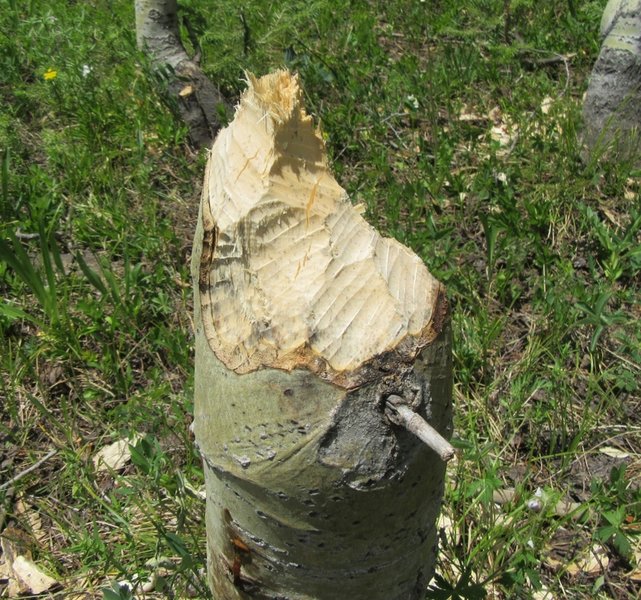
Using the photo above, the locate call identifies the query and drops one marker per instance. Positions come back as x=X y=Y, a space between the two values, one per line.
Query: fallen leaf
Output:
x=565 y=507
x=503 y=134
x=23 y=576
x=444 y=523
x=503 y=496
x=613 y=452
x=34 y=579
x=495 y=114
x=5 y=572
x=186 y=91
x=113 y=457
x=546 y=104
x=543 y=594
x=32 y=518
x=554 y=563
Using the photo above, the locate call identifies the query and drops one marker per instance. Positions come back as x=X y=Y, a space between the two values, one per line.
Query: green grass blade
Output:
x=92 y=277
x=15 y=256
x=113 y=286
x=13 y=313
x=50 y=274
x=4 y=179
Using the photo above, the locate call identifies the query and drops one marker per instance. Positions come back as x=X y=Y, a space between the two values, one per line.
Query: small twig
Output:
x=33 y=467
x=550 y=60
x=26 y=236
x=401 y=414
x=566 y=64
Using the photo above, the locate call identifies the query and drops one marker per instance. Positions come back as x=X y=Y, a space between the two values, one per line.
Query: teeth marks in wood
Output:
x=299 y=279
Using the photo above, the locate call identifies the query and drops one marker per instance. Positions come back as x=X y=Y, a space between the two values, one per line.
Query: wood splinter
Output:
x=401 y=414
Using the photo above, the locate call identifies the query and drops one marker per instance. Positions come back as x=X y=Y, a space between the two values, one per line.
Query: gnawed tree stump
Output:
x=612 y=106
x=310 y=329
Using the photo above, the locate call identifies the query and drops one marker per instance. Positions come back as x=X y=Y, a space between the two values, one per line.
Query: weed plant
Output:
x=457 y=125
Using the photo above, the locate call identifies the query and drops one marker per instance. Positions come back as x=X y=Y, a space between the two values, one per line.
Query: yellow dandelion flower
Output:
x=50 y=74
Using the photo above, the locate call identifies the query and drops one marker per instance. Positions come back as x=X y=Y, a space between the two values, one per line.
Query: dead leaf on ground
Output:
x=546 y=105
x=445 y=523
x=33 y=578
x=503 y=496
x=611 y=216
x=593 y=562
x=631 y=191
x=504 y=134
x=504 y=131
x=113 y=457
x=543 y=594
x=613 y=452
x=635 y=574
x=21 y=573
x=32 y=519
x=565 y=507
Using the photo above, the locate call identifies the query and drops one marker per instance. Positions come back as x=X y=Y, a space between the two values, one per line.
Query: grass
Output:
x=448 y=122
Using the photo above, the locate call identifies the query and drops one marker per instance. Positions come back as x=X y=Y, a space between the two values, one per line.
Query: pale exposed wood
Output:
x=299 y=277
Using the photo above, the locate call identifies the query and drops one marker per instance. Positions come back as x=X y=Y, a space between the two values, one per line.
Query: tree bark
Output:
x=199 y=102
x=612 y=106
x=309 y=329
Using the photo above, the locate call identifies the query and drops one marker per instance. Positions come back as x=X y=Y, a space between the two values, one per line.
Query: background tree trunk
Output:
x=308 y=324
x=612 y=107
x=198 y=100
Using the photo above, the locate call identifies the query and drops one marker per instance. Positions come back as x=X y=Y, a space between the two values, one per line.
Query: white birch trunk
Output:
x=307 y=321
x=198 y=100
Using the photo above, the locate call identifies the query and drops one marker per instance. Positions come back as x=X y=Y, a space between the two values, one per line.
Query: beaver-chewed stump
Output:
x=322 y=351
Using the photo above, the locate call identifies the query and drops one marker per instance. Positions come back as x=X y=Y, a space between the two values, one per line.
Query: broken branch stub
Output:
x=307 y=321
x=400 y=413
